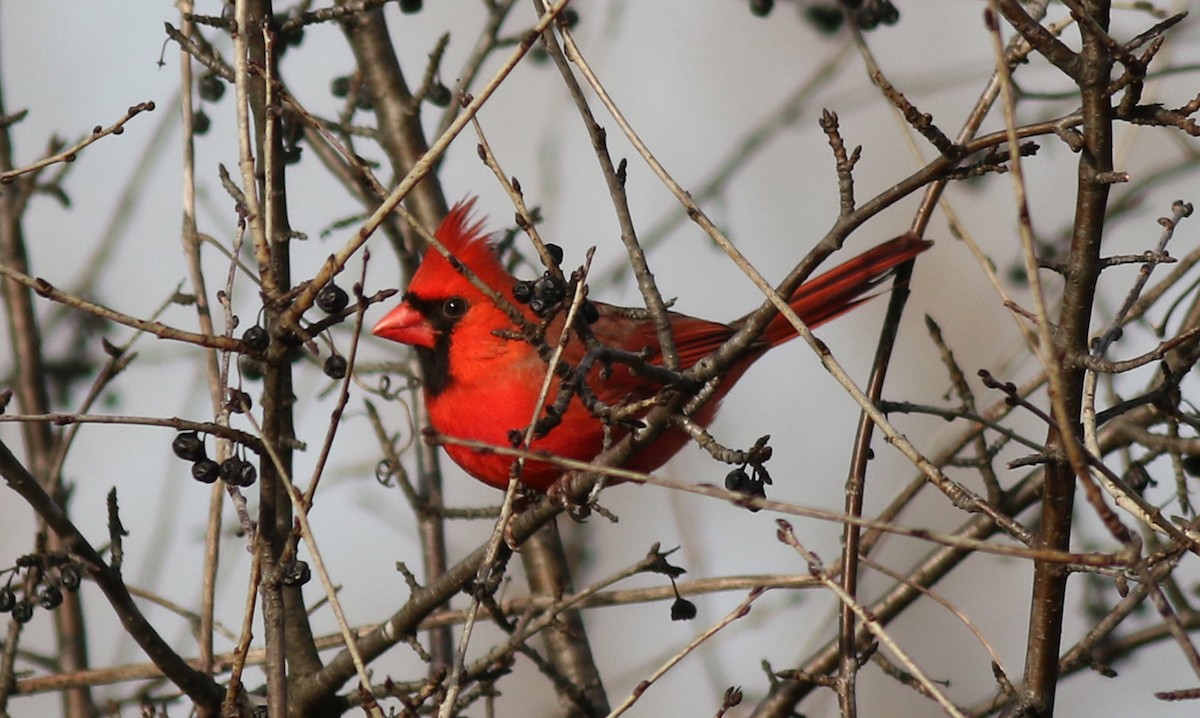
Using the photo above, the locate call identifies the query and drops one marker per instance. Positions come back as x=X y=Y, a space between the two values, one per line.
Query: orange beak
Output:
x=406 y=325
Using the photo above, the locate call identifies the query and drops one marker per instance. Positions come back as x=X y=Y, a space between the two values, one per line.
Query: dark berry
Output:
x=889 y=14
x=550 y=289
x=205 y=471
x=827 y=19
x=761 y=8
x=296 y=573
x=738 y=480
x=236 y=471
x=188 y=446
x=50 y=598
x=538 y=306
x=340 y=87
x=335 y=367
x=756 y=489
x=555 y=252
x=239 y=401
x=332 y=298
x=246 y=474
x=251 y=368
x=439 y=95
x=866 y=18
x=1191 y=464
x=410 y=6
x=211 y=87
x=22 y=611
x=569 y=17
x=291 y=154
x=294 y=38
x=523 y=291
x=683 y=610
x=200 y=122
x=590 y=312
x=256 y=338
x=8 y=599
x=70 y=577
x=228 y=470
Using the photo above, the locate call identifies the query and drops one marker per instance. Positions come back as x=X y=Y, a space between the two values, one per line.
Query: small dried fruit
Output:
x=439 y=95
x=761 y=8
x=523 y=291
x=296 y=573
x=294 y=38
x=228 y=470
x=550 y=289
x=827 y=19
x=51 y=597
x=332 y=298
x=590 y=312
x=200 y=122
x=205 y=471
x=682 y=610
x=340 y=87
x=211 y=88
x=256 y=338
x=22 y=611
x=188 y=446
x=70 y=577
x=239 y=401
x=251 y=368
x=246 y=474
x=335 y=367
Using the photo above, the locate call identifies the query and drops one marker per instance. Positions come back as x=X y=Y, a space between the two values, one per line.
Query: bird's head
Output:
x=439 y=297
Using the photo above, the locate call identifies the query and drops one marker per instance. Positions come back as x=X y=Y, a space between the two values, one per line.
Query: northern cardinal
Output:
x=482 y=386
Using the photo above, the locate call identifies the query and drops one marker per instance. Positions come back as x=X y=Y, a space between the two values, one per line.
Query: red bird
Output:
x=481 y=386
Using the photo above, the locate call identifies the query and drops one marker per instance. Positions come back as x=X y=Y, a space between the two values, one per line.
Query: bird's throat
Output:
x=435 y=365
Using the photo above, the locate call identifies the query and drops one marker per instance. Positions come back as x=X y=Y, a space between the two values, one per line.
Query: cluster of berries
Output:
x=234 y=471
x=546 y=293
x=827 y=17
x=54 y=573
x=332 y=299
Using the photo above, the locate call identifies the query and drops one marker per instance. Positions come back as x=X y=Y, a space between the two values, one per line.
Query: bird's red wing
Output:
x=694 y=339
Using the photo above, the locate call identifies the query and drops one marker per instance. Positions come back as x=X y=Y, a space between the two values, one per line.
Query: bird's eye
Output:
x=455 y=307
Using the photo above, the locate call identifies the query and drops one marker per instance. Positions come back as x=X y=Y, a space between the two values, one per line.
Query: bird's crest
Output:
x=464 y=237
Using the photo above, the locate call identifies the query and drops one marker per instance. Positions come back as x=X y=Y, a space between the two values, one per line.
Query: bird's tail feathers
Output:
x=845 y=286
